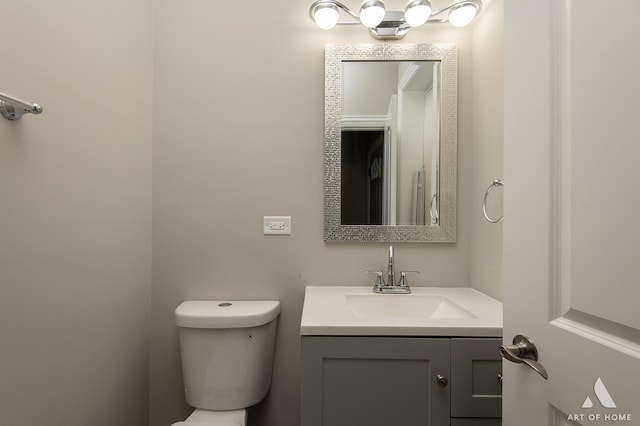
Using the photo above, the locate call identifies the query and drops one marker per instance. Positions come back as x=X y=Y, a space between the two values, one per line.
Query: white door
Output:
x=572 y=210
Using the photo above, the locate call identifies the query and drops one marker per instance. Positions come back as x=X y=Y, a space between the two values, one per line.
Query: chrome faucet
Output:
x=391 y=276
x=401 y=287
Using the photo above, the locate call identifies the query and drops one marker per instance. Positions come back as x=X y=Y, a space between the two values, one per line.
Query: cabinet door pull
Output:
x=442 y=380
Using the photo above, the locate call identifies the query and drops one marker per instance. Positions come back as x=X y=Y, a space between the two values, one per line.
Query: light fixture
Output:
x=326 y=15
x=384 y=25
x=371 y=13
x=462 y=14
x=417 y=12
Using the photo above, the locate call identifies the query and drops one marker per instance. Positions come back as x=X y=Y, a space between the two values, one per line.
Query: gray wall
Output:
x=238 y=134
x=75 y=230
x=486 y=238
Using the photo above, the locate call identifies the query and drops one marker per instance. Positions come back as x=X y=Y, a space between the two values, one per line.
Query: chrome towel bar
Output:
x=12 y=108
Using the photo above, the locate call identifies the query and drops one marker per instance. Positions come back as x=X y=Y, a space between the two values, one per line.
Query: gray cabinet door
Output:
x=476 y=422
x=377 y=381
x=476 y=366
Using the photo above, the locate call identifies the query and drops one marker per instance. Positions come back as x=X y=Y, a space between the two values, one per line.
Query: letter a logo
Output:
x=602 y=394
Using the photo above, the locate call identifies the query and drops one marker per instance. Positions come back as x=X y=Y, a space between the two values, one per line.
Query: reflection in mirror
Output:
x=390 y=142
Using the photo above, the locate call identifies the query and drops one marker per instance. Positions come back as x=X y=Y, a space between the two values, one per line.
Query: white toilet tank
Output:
x=227 y=350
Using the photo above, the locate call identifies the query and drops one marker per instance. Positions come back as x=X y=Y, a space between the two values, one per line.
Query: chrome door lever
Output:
x=523 y=351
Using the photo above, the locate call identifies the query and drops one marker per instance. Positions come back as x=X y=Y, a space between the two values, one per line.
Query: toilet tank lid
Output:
x=226 y=313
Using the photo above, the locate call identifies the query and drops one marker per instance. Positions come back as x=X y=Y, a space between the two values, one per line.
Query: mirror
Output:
x=390 y=142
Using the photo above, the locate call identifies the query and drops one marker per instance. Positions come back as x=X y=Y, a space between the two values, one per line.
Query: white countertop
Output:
x=328 y=312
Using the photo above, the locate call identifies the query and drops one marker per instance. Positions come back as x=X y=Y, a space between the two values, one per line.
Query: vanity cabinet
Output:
x=408 y=381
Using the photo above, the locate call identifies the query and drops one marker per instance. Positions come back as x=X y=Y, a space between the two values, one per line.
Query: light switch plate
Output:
x=276 y=225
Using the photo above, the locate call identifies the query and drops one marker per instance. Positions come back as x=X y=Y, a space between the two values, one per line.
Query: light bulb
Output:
x=371 y=13
x=326 y=16
x=417 y=12
x=462 y=15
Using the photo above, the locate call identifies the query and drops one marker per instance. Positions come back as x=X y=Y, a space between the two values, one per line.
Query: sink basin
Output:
x=427 y=311
x=399 y=306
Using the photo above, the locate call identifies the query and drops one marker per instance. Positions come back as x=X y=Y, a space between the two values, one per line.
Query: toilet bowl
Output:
x=227 y=350
x=215 y=418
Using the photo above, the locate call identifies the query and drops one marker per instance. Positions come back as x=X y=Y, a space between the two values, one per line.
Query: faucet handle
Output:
x=403 y=278
x=379 y=280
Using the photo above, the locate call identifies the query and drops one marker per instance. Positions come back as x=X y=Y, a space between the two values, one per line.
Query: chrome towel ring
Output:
x=497 y=182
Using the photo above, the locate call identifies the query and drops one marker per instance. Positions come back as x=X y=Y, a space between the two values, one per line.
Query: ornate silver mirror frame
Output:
x=335 y=55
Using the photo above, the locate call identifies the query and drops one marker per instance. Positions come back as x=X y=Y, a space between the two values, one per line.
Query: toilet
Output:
x=227 y=350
